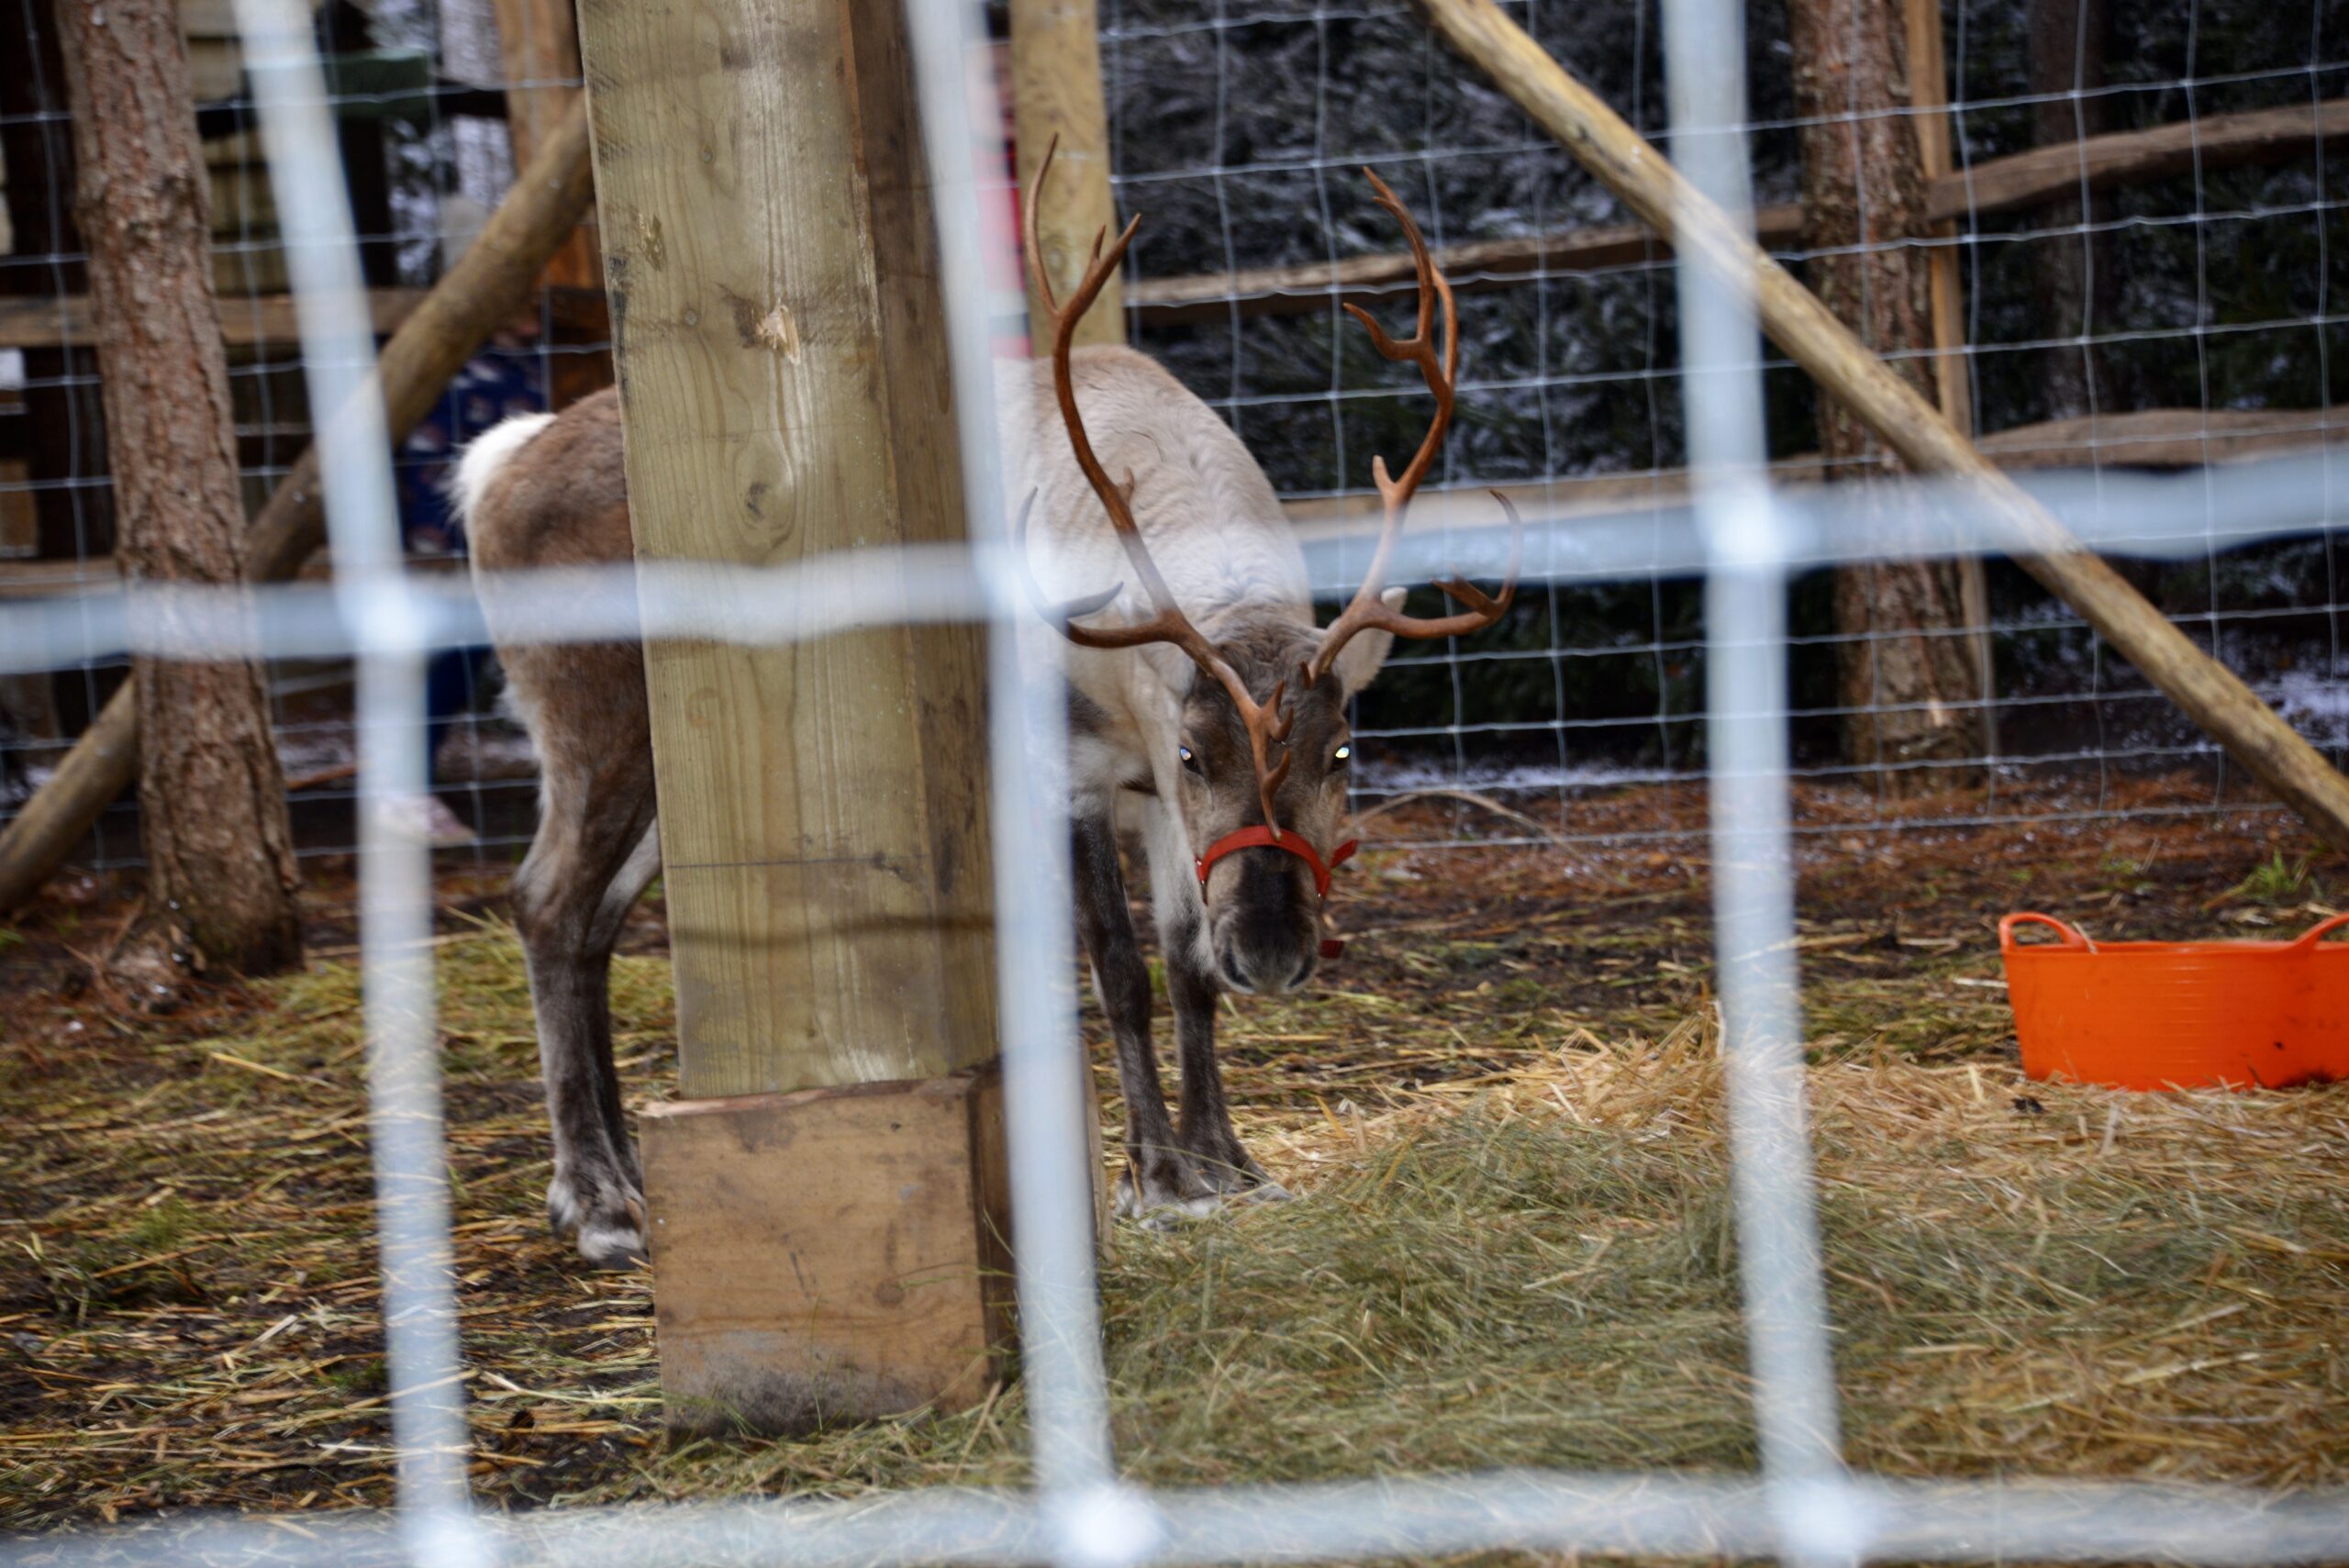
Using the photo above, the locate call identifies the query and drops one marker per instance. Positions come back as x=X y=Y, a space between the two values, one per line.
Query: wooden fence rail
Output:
x=1994 y=187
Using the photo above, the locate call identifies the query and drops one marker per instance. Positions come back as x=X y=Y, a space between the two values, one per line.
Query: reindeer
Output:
x=1253 y=757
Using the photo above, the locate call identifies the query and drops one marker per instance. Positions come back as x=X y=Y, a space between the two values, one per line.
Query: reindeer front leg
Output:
x=1206 y=1132
x=1159 y=1177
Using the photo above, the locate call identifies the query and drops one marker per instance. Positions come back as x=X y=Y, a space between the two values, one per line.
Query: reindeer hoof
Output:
x=601 y=1248
x=1159 y=1204
x=605 y=1221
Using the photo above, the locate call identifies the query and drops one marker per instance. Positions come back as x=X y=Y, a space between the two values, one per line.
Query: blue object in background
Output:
x=500 y=381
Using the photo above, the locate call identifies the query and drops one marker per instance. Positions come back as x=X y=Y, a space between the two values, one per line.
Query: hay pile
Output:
x=1524 y=1259
x=2024 y=1279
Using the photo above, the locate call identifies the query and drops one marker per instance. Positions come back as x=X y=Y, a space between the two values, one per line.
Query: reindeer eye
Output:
x=1189 y=761
x=1342 y=755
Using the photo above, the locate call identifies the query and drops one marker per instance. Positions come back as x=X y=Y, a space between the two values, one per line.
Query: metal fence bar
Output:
x=1754 y=916
x=406 y=1135
x=2147 y=516
x=1661 y=1514
x=1089 y=1518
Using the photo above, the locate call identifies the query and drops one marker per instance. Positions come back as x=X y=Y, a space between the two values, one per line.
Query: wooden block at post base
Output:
x=829 y=1253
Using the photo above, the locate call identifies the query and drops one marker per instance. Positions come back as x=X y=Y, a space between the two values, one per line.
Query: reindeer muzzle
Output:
x=1263 y=838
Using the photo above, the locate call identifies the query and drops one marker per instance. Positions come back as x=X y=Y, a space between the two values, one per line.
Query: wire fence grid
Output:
x=420 y=93
x=1735 y=546
x=1238 y=130
x=2206 y=297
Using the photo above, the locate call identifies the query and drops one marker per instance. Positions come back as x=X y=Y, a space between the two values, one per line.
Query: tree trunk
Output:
x=221 y=877
x=2068 y=38
x=1905 y=671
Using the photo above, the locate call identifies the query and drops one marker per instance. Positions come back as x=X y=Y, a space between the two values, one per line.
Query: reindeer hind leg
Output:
x=584 y=868
x=636 y=874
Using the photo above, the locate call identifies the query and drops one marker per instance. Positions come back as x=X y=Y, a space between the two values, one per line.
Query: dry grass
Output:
x=1513 y=1245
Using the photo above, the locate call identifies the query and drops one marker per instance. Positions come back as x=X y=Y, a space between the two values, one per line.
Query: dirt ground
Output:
x=1500 y=1111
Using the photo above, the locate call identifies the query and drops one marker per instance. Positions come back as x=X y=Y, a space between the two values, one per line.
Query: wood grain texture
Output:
x=783 y=384
x=1056 y=90
x=1473 y=266
x=2213 y=141
x=828 y=1253
x=2209 y=693
x=1928 y=95
x=1952 y=369
x=1910 y=688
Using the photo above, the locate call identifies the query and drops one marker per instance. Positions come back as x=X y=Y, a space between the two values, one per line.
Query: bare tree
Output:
x=220 y=861
x=1907 y=670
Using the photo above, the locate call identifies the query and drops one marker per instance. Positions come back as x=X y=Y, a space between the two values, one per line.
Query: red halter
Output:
x=1262 y=838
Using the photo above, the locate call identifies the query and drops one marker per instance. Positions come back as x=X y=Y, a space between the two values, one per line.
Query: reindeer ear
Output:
x=1359 y=662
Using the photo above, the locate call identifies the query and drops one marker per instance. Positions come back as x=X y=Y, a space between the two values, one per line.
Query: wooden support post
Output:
x=538 y=43
x=1953 y=371
x=1906 y=674
x=1929 y=95
x=774 y=279
x=1056 y=91
x=2209 y=693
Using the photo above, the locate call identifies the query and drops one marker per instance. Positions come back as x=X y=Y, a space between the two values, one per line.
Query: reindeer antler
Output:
x=1266 y=724
x=1437 y=367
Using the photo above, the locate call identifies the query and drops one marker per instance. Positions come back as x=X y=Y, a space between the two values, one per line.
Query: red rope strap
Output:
x=1262 y=838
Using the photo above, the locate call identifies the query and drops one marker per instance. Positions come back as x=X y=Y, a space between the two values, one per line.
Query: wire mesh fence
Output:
x=2090 y=337
x=1649 y=651
x=422 y=97
x=2185 y=314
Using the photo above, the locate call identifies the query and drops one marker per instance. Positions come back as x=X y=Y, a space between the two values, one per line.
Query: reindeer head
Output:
x=1264 y=743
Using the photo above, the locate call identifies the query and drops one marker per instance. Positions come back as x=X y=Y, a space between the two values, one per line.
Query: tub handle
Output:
x=2317 y=933
x=2074 y=939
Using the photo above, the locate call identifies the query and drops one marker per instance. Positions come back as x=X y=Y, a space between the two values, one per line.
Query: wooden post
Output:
x=1952 y=371
x=825 y=1207
x=538 y=42
x=1907 y=675
x=1929 y=95
x=2209 y=693
x=1056 y=91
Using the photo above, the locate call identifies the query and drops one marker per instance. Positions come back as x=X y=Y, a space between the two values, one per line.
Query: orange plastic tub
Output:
x=2179 y=1014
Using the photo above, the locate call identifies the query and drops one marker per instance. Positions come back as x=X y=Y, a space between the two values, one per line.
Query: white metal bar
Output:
x=406 y=1137
x=1659 y=1514
x=1746 y=607
x=2146 y=516
x=1089 y=1520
